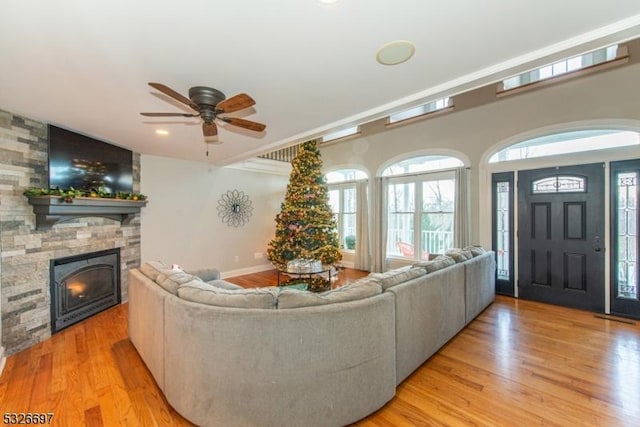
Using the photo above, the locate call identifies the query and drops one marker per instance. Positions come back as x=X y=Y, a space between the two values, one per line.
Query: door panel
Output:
x=561 y=224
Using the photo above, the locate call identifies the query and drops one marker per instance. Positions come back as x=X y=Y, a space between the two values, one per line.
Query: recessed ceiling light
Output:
x=395 y=52
x=162 y=132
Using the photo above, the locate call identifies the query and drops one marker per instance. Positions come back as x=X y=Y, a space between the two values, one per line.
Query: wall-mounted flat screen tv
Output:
x=84 y=163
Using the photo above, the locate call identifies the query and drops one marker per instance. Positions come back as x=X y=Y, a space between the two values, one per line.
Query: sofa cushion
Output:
x=475 y=250
x=360 y=289
x=459 y=255
x=166 y=277
x=393 y=277
x=151 y=269
x=438 y=263
x=223 y=284
x=173 y=279
x=204 y=293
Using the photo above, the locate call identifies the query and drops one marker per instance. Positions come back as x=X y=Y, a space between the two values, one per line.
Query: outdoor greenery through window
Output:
x=562 y=67
x=420 y=206
x=343 y=201
x=567 y=142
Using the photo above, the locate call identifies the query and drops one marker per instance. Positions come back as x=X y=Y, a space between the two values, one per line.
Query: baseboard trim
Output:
x=247 y=270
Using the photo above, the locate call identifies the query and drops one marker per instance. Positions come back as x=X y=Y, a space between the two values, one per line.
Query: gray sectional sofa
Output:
x=225 y=355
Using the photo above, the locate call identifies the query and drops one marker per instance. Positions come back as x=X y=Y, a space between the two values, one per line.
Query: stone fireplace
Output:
x=26 y=251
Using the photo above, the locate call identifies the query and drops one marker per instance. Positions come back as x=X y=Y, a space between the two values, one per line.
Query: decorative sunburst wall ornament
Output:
x=234 y=208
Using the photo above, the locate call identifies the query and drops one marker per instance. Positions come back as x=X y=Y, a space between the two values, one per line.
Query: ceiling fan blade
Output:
x=173 y=94
x=169 y=115
x=247 y=124
x=235 y=103
x=209 y=129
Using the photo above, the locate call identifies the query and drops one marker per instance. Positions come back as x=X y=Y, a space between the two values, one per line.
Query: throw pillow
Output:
x=438 y=263
x=475 y=250
x=459 y=255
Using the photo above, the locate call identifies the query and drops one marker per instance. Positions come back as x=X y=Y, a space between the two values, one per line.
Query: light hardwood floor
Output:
x=519 y=363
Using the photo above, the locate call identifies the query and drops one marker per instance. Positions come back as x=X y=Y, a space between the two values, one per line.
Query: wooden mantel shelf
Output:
x=51 y=210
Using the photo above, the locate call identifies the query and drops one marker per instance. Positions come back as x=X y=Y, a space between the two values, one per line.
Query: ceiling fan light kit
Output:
x=209 y=104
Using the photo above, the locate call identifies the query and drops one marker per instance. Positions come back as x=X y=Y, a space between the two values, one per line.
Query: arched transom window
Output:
x=566 y=143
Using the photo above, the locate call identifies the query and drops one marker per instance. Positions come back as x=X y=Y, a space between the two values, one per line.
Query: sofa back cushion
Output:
x=475 y=250
x=167 y=278
x=400 y=275
x=223 y=284
x=459 y=255
x=204 y=293
x=438 y=263
x=172 y=280
x=360 y=289
x=151 y=269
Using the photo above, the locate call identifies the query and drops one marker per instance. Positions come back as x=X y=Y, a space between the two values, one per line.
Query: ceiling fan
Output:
x=210 y=104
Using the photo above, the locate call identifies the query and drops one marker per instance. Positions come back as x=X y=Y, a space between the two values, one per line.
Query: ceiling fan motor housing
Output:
x=206 y=98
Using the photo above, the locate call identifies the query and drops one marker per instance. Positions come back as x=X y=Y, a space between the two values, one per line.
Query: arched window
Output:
x=421 y=206
x=343 y=175
x=422 y=164
x=345 y=189
x=567 y=142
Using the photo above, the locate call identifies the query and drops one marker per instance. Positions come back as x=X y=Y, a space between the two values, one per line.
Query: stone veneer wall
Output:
x=25 y=252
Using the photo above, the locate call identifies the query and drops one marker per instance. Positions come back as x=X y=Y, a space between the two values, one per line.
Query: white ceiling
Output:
x=84 y=64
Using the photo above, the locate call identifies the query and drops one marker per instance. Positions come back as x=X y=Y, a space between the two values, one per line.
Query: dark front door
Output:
x=561 y=236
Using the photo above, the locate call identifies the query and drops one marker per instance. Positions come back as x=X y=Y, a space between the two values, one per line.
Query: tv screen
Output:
x=84 y=163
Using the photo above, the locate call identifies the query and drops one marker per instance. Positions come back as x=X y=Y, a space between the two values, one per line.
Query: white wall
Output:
x=611 y=96
x=180 y=223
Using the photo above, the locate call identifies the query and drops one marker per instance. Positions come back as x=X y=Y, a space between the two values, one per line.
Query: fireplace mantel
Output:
x=50 y=210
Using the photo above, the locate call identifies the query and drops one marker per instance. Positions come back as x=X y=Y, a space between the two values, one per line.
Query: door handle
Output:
x=596 y=244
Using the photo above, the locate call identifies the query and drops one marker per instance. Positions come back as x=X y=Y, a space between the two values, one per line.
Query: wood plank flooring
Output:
x=519 y=363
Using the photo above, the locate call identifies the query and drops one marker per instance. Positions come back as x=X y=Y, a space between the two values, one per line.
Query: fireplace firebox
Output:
x=83 y=285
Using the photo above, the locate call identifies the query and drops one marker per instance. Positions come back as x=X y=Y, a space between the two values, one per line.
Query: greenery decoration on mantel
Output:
x=67 y=195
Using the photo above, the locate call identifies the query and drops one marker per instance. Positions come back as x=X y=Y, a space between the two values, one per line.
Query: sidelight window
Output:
x=502 y=241
x=627 y=235
x=503 y=230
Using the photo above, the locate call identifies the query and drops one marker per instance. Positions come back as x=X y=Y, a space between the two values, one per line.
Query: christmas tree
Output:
x=305 y=227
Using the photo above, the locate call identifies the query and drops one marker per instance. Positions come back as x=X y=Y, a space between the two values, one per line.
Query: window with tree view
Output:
x=343 y=199
x=420 y=207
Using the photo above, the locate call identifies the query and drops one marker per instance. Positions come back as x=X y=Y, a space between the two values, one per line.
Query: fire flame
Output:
x=77 y=288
